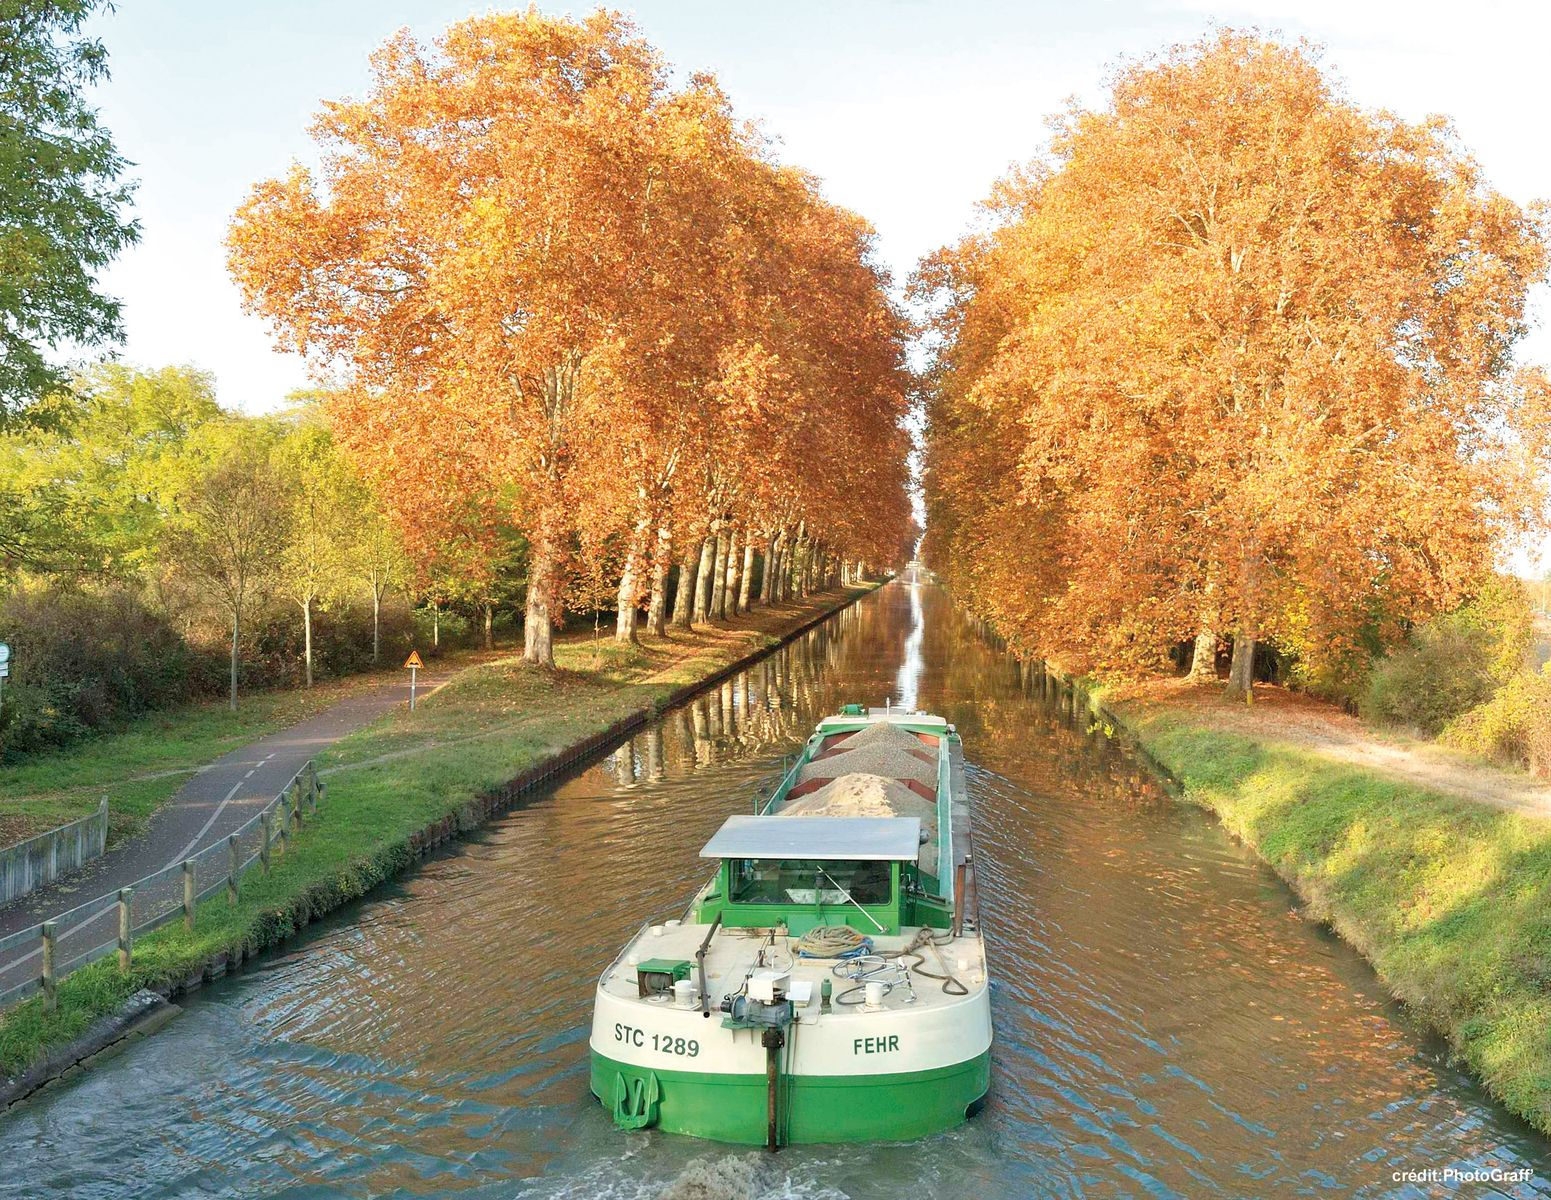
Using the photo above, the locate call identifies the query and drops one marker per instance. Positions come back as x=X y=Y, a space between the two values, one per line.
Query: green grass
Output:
x=388 y=782
x=1449 y=899
x=141 y=767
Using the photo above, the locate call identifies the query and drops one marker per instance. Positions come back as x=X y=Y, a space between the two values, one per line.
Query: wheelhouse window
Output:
x=808 y=882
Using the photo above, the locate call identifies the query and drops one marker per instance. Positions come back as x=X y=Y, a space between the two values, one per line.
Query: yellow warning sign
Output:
x=414 y=659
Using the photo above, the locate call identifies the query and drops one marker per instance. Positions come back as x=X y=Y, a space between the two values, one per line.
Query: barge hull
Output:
x=815 y=1108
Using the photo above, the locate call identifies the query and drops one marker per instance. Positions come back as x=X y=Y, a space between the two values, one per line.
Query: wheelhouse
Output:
x=803 y=872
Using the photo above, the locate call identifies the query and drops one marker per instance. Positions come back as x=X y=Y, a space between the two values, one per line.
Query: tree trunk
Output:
x=1203 y=661
x=767 y=576
x=1241 y=670
x=719 y=578
x=703 y=580
x=624 y=602
x=307 y=638
x=538 y=634
x=376 y=624
x=748 y=574
x=627 y=606
x=683 y=592
x=730 y=596
x=236 y=630
x=657 y=607
x=436 y=626
x=489 y=625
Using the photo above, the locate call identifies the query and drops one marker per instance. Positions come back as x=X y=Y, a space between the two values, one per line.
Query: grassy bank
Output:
x=1448 y=898
x=392 y=781
x=140 y=768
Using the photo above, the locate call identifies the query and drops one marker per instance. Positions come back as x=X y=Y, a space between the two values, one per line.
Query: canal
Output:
x=1166 y=1022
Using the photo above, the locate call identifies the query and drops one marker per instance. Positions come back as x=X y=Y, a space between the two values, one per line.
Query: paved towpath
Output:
x=207 y=808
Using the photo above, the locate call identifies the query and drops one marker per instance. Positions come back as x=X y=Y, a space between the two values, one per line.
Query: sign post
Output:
x=5 y=671
x=414 y=664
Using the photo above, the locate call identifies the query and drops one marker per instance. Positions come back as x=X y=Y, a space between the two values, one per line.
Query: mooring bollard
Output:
x=125 y=948
x=188 y=893
x=267 y=820
x=231 y=869
x=50 y=995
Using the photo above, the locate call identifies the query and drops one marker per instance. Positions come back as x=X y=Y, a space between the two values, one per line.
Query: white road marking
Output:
x=219 y=809
x=108 y=909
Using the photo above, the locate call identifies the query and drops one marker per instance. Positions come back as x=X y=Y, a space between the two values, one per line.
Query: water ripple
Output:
x=1166 y=1023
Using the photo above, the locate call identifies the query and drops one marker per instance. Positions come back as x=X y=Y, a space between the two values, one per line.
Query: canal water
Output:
x=1166 y=1022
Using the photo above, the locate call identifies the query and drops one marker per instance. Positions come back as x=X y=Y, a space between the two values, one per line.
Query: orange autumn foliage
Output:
x=1234 y=356
x=531 y=254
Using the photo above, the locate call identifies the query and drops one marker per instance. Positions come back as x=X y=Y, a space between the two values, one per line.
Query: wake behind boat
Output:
x=828 y=984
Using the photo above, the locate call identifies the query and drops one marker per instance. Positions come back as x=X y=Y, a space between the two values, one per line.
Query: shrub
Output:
x=341 y=643
x=1513 y=726
x=88 y=660
x=1453 y=663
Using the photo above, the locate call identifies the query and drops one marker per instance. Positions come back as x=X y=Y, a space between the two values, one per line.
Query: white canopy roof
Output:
x=889 y=839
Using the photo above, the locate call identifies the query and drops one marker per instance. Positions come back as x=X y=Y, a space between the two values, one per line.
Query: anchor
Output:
x=636 y=1101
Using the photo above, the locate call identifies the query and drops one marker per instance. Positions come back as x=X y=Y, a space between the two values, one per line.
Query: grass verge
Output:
x=1448 y=898
x=141 y=767
x=395 y=779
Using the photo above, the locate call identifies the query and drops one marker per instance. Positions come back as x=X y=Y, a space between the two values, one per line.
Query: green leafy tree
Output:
x=61 y=196
x=232 y=523
x=312 y=569
x=87 y=489
x=374 y=555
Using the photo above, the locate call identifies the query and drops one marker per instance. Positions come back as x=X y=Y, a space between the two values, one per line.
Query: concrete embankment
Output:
x=396 y=791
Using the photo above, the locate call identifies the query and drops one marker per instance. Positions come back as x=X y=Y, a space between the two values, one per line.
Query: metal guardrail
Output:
x=111 y=922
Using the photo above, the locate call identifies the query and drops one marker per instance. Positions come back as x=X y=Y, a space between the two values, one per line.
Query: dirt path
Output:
x=1292 y=719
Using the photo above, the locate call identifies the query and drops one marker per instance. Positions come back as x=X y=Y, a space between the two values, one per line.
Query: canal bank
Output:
x=1167 y=1024
x=1447 y=896
x=396 y=791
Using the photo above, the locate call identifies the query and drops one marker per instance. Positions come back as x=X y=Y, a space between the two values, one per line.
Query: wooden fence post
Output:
x=295 y=792
x=125 y=947
x=50 y=995
x=188 y=893
x=232 y=866
x=313 y=788
x=268 y=822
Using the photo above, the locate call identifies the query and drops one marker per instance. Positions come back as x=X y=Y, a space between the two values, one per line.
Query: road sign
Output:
x=413 y=664
x=5 y=660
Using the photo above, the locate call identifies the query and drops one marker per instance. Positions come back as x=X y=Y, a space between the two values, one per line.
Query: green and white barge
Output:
x=829 y=982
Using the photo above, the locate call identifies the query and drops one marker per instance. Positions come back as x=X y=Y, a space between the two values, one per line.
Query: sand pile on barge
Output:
x=871 y=796
x=885 y=736
x=888 y=761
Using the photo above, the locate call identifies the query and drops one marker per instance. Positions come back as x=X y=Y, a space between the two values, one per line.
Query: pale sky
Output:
x=908 y=109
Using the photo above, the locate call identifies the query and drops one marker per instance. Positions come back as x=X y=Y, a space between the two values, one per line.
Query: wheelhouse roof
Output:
x=887 y=839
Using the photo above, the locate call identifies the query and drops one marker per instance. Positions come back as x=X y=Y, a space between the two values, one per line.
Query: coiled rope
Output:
x=833 y=941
